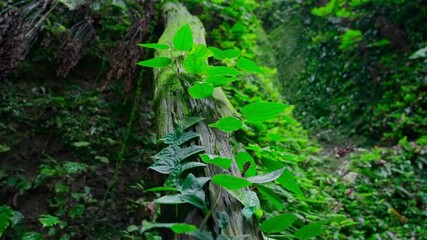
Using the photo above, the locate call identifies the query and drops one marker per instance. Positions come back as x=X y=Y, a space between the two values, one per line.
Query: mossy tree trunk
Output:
x=173 y=103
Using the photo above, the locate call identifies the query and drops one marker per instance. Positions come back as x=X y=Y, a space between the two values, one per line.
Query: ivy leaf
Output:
x=278 y=223
x=48 y=220
x=287 y=180
x=248 y=65
x=231 y=53
x=166 y=152
x=265 y=178
x=220 y=80
x=217 y=53
x=195 y=65
x=158 y=62
x=311 y=230
x=183 y=39
x=219 y=161
x=178 y=137
x=220 y=70
x=271 y=196
x=227 y=124
x=230 y=182
x=244 y=158
x=154 y=46
x=165 y=165
x=262 y=111
x=201 y=90
x=184 y=153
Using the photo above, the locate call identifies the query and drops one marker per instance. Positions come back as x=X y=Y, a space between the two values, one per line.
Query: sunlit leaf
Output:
x=227 y=124
x=195 y=65
x=48 y=220
x=230 y=182
x=201 y=90
x=217 y=53
x=245 y=159
x=220 y=70
x=158 y=62
x=287 y=180
x=154 y=45
x=278 y=223
x=183 y=39
x=219 y=161
x=262 y=111
x=231 y=53
x=220 y=80
x=248 y=65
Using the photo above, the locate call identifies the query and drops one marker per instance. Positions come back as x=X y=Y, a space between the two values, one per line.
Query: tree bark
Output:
x=173 y=103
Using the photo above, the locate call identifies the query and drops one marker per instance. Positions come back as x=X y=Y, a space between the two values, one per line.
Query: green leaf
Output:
x=158 y=62
x=230 y=182
x=158 y=189
x=167 y=152
x=262 y=111
x=271 y=196
x=4 y=148
x=48 y=220
x=184 y=153
x=278 y=223
x=183 y=39
x=32 y=236
x=287 y=180
x=178 y=137
x=165 y=165
x=311 y=230
x=242 y=159
x=201 y=90
x=183 y=228
x=231 y=53
x=154 y=45
x=195 y=65
x=177 y=228
x=227 y=124
x=265 y=178
x=81 y=144
x=248 y=65
x=170 y=199
x=76 y=211
x=6 y=214
x=74 y=167
x=219 y=161
x=217 y=53
x=220 y=80
x=220 y=70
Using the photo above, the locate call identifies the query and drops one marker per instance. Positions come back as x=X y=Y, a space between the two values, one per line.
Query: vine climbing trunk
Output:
x=173 y=103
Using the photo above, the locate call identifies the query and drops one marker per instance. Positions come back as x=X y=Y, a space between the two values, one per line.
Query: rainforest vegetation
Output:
x=213 y=119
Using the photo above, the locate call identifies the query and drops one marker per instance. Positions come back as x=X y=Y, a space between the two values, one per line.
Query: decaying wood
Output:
x=173 y=104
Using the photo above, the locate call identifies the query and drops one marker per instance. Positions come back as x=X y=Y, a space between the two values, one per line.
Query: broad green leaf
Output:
x=248 y=65
x=201 y=90
x=287 y=180
x=183 y=39
x=220 y=70
x=220 y=80
x=174 y=177
x=271 y=196
x=311 y=230
x=154 y=45
x=219 y=161
x=278 y=223
x=81 y=144
x=201 y=51
x=6 y=214
x=159 y=62
x=166 y=152
x=268 y=177
x=230 y=182
x=195 y=201
x=262 y=111
x=242 y=159
x=195 y=65
x=170 y=199
x=158 y=189
x=178 y=137
x=227 y=124
x=231 y=53
x=177 y=228
x=217 y=53
x=183 y=228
